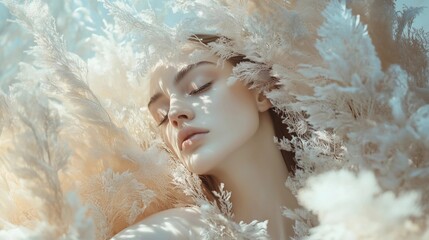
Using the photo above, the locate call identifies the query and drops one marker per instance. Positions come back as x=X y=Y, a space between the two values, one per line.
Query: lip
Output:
x=187 y=133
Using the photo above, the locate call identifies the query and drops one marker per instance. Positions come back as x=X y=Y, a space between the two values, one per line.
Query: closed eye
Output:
x=200 y=89
x=164 y=119
x=193 y=92
x=163 y=115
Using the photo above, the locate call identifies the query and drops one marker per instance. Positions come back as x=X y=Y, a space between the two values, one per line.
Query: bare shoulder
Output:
x=175 y=223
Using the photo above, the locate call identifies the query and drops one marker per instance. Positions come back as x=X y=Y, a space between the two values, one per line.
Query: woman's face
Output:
x=202 y=119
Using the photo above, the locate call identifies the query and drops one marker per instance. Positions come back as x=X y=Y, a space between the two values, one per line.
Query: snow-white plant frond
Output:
x=253 y=230
x=129 y=19
x=189 y=183
x=117 y=190
x=365 y=202
x=144 y=29
x=99 y=147
x=223 y=48
x=36 y=161
x=254 y=75
x=53 y=56
x=217 y=214
x=223 y=197
x=221 y=226
x=364 y=68
x=80 y=157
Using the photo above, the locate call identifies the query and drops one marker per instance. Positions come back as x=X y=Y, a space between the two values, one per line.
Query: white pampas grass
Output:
x=35 y=167
x=80 y=157
x=351 y=206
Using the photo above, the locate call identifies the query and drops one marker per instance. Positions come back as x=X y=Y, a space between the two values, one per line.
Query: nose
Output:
x=180 y=112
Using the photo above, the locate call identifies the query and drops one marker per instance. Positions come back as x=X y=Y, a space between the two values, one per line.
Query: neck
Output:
x=256 y=175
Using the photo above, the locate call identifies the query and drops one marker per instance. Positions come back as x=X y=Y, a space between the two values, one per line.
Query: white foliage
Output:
x=342 y=34
x=35 y=166
x=254 y=75
x=217 y=214
x=80 y=158
x=355 y=200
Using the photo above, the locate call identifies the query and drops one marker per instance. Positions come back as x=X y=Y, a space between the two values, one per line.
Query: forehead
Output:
x=161 y=74
x=165 y=72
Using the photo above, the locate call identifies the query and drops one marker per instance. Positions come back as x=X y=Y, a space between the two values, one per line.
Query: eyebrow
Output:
x=179 y=76
x=182 y=73
x=154 y=98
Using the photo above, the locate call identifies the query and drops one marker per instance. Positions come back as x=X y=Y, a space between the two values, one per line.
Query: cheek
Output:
x=237 y=110
x=239 y=122
x=233 y=121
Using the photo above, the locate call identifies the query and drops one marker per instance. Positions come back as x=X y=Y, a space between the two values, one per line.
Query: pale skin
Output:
x=234 y=143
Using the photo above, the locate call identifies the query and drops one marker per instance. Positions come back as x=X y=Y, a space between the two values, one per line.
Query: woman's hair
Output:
x=280 y=129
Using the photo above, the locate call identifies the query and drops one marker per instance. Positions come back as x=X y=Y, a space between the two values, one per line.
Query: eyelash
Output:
x=193 y=92
x=201 y=89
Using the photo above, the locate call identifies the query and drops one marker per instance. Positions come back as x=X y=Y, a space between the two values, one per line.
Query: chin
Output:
x=201 y=165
